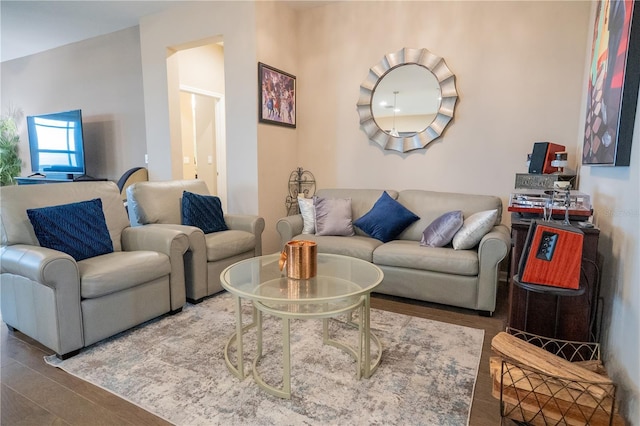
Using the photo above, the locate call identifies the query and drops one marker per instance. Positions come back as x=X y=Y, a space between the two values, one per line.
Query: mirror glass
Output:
x=406 y=100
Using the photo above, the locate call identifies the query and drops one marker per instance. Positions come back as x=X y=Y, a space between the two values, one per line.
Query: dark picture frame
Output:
x=276 y=96
x=614 y=78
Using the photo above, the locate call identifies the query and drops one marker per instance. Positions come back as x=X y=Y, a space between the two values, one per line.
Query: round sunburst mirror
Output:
x=407 y=100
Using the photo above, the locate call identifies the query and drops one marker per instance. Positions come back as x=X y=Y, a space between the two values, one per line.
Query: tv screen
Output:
x=56 y=143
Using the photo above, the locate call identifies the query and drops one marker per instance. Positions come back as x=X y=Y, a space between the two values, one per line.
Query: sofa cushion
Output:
x=357 y=246
x=440 y=232
x=203 y=211
x=225 y=244
x=160 y=201
x=409 y=254
x=333 y=216
x=308 y=212
x=386 y=219
x=474 y=228
x=78 y=229
x=118 y=271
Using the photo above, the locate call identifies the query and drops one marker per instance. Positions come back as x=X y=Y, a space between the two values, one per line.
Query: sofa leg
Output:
x=68 y=355
x=11 y=329
x=488 y=314
x=177 y=311
x=195 y=301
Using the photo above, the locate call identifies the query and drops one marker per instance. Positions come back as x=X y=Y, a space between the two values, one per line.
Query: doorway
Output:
x=202 y=124
x=195 y=76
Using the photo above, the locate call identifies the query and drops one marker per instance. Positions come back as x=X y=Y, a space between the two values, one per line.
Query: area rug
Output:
x=174 y=367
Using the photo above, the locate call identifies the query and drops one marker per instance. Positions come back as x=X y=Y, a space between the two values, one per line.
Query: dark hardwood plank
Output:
x=69 y=400
x=18 y=410
x=32 y=356
x=63 y=402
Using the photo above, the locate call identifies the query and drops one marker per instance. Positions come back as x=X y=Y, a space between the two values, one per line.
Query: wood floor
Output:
x=34 y=393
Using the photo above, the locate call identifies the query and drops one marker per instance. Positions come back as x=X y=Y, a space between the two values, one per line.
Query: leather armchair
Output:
x=158 y=204
x=66 y=304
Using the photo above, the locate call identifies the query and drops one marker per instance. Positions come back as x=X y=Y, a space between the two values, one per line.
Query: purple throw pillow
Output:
x=441 y=231
x=333 y=216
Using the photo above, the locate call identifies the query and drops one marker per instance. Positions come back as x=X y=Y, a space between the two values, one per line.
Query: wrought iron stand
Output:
x=301 y=182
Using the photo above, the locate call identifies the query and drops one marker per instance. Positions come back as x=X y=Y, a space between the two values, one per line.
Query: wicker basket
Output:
x=535 y=397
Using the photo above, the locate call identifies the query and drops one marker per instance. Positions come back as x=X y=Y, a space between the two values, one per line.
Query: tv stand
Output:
x=40 y=179
x=32 y=180
x=84 y=178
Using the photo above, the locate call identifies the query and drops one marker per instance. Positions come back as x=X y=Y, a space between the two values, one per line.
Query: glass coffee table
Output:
x=342 y=285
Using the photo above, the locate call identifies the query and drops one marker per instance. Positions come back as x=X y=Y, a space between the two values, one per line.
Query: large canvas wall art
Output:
x=614 y=79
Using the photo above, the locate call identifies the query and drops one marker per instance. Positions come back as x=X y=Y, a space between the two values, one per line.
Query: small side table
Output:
x=558 y=292
x=580 y=319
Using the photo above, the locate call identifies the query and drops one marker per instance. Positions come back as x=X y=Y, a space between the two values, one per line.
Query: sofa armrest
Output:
x=195 y=260
x=249 y=223
x=288 y=227
x=174 y=243
x=493 y=247
x=49 y=267
x=40 y=295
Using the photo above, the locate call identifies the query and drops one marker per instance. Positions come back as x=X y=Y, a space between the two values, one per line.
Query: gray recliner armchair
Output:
x=158 y=204
x=66 y=304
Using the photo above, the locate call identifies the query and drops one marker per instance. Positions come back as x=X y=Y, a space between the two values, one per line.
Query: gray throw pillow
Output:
x=308 y=213
x=441 y=231
x=333 y=216
x=473 y=229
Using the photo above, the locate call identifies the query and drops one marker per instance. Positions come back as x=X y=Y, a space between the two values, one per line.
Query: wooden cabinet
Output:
x=577 y=315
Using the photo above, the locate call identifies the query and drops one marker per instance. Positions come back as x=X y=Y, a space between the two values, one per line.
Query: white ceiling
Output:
x=28 y=26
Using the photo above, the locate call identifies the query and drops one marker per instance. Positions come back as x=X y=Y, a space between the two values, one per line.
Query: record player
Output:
x=550 y=203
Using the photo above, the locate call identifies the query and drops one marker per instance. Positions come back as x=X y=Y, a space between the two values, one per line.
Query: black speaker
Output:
x=542 y=156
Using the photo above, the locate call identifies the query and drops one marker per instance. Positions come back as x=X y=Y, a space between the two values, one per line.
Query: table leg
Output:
x=555 y=327
x=239 y=347
x=325 y=330
x=526 y=311
x=286 y=356
x=285 y=390
x=365 y=328
x=238 y=369
x=258 y=318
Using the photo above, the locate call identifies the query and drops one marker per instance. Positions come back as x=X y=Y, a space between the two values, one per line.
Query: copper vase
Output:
x=300 y=258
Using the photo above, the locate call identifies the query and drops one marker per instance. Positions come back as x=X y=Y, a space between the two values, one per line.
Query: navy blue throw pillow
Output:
x=386 y=219
x=203 y=211
x=78 y=229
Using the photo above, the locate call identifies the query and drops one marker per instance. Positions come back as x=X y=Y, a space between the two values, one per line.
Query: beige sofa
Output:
x=462 y=278
x=67 y=304
x=158 y=204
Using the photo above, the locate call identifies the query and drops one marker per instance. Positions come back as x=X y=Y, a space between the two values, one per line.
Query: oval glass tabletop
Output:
x=339 y=278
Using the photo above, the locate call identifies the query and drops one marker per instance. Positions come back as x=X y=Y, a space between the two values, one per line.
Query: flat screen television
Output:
x=56 y=144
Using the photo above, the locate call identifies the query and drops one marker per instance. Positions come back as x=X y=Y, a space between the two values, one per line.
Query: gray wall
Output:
x=103 y=77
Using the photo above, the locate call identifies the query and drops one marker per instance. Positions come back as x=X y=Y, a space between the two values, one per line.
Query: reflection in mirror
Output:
x=407 y=100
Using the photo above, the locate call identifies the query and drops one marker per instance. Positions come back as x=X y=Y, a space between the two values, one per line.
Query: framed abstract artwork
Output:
x=277 y=96
x=614 y=78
